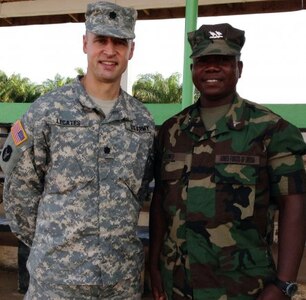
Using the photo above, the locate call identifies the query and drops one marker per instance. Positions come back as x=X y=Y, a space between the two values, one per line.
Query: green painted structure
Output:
x=10 y=112
x=294 y=113
x=191 y=17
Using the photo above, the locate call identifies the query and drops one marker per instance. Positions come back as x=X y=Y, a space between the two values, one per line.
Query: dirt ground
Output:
x=9 y=280
x=9 y=277
x=8 y=288
x=301 y=295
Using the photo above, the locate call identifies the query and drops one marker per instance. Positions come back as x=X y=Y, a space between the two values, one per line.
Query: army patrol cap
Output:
x=109 y=19
x=219 y=39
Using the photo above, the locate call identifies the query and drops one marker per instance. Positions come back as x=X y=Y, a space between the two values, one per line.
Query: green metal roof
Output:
x=162 y=112
x=10 y=112
x=294 y=113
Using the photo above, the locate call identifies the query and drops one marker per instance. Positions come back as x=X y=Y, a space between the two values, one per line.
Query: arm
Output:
x=285 y=150
x=292 y=232
x=292 y=224
x=157 y=231
x=22 y=189
x=147 y=178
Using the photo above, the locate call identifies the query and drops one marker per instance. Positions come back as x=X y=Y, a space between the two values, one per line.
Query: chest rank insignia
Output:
x=112 y=15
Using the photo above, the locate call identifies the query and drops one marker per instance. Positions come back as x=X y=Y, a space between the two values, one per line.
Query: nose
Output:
x=109 y=48
x=212 y=62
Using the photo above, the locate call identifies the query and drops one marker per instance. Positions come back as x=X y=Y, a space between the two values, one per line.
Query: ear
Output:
x=240 y=67
x=85 y=40
x=132 y=47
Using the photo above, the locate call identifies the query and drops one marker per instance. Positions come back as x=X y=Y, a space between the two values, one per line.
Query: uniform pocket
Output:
x=235 y=190
x=72 y=158
x=235 y=174
x=247 y=259
x=126 y=147
x=172 y=178
x=173 y=165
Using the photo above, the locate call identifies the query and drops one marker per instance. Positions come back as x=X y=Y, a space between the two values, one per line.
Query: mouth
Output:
x=107 y=63
x=212 y=80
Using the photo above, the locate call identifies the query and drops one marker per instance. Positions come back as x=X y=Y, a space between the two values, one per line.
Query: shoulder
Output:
x=256 y=113
x=62 y=98
x=177 y=120
x=139 y=110
x=279 y=131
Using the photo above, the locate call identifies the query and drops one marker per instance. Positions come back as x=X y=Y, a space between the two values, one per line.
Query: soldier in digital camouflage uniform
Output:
x=223 y=165
x=77 y=168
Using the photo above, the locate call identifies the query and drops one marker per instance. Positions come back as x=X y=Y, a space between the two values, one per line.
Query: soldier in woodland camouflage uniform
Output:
x=223 y=165
x=77 y=168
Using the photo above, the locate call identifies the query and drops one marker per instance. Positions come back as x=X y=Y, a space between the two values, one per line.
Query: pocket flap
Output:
x=246 y=259
x=236 y=174
x=172 y=166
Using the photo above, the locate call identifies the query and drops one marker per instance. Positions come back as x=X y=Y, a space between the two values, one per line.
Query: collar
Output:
x=233 y=120
x=121 y=110
x=237 y=114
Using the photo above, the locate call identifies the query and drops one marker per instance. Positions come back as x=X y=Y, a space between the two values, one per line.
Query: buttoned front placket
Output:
x=201 y=190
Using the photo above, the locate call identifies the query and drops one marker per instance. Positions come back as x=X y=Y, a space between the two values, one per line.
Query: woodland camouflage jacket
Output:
x=217 y=188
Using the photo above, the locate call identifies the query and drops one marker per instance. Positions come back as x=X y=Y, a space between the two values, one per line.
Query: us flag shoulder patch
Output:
x=18 y=133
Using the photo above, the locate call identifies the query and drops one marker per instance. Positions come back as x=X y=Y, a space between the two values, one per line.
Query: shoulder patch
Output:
x=6 y=153
x=11 y=153
x=19 y=135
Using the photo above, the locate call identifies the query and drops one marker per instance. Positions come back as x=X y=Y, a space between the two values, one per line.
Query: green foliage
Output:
x=149 y=88
x=51 y=84
x=154 y=88
x=17 y=89
x=22 y=90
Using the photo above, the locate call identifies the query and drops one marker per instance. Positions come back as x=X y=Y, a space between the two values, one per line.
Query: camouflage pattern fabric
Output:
x=217 y=187
x=124 y=290
x=109 y=19
x=219 y=39
x=74 y=188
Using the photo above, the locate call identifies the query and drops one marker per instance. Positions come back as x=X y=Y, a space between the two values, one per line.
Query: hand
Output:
x=271 y=292
x=157 y=285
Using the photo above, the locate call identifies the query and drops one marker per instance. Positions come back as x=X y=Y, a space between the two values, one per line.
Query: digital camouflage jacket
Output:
x=217 y=188
x=75 y=181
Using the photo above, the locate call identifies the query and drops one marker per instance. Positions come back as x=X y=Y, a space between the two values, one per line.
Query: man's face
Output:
x=216 y=76
x=107 y=56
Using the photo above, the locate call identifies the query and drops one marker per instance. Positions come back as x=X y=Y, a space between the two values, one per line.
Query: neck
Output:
x=216 y=101
x=101 y=90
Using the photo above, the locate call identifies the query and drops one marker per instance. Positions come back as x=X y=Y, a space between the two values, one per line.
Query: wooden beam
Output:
x=22 y=8
x=28 y=12
x=8 y=239
x=252 y=8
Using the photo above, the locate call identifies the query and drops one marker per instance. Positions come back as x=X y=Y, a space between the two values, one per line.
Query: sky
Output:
x=273 y=56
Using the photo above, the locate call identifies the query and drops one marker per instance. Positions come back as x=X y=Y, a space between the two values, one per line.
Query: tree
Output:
x=17 y=89
x=51 y=84
x=22 y=90
x=58 y=81
x=154 y=88
x=149 y=88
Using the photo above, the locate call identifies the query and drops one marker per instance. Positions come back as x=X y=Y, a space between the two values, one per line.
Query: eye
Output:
x=225 y=59
x=100 y=40
x=118 y=41
x=201 y=59
x=219 y=60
